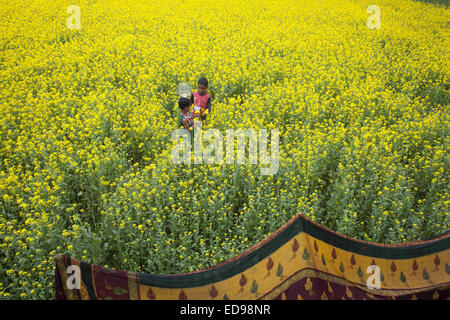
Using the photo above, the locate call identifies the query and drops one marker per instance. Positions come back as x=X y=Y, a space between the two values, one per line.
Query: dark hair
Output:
x=203 y=81
x=183 y=103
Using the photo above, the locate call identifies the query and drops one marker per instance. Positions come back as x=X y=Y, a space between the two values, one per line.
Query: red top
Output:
x=201 y=101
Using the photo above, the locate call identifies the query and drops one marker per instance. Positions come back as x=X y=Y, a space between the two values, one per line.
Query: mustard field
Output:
x=87 y=114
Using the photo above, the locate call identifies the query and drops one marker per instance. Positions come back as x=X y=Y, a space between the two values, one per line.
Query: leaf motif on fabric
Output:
x=435 y=295
x=150 y=294
x=294 y=248
x=182 y=295
x=269 y=266
x=280 y=271
x=415 y=266
x=341 y=267
x=309 y=286
x=118 y=291
x=242 y=283
x=254 y=288
x=333 y=255
x=403 y=278
x=330 y=290
x=107 y=286
x=213 y=292
x=437 y=262
x=349 y=292
x=352 y=261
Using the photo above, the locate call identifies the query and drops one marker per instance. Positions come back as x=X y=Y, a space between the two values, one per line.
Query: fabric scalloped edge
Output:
x=301 y=260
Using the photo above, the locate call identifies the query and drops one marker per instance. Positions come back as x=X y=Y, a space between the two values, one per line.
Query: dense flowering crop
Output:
x=86 y=117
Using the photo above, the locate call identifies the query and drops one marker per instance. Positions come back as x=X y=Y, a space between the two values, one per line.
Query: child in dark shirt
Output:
x=185 y=118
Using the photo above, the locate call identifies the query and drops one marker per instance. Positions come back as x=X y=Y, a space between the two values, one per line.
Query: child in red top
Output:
x=201 y=99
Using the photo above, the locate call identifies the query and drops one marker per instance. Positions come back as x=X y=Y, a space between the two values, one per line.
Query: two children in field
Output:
x=202 y=106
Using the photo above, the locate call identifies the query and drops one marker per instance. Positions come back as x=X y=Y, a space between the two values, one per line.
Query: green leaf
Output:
x=279 y=270
x=402 y=277
x=360 y=273
x=341 y=267
x=305 y=254
x=254 y=287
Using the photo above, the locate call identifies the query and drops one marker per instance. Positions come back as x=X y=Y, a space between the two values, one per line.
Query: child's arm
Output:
x=185 y=124
x=208 y=107
x=208 y=104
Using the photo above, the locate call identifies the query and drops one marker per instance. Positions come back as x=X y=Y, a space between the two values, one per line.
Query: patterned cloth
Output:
x=302 y=260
